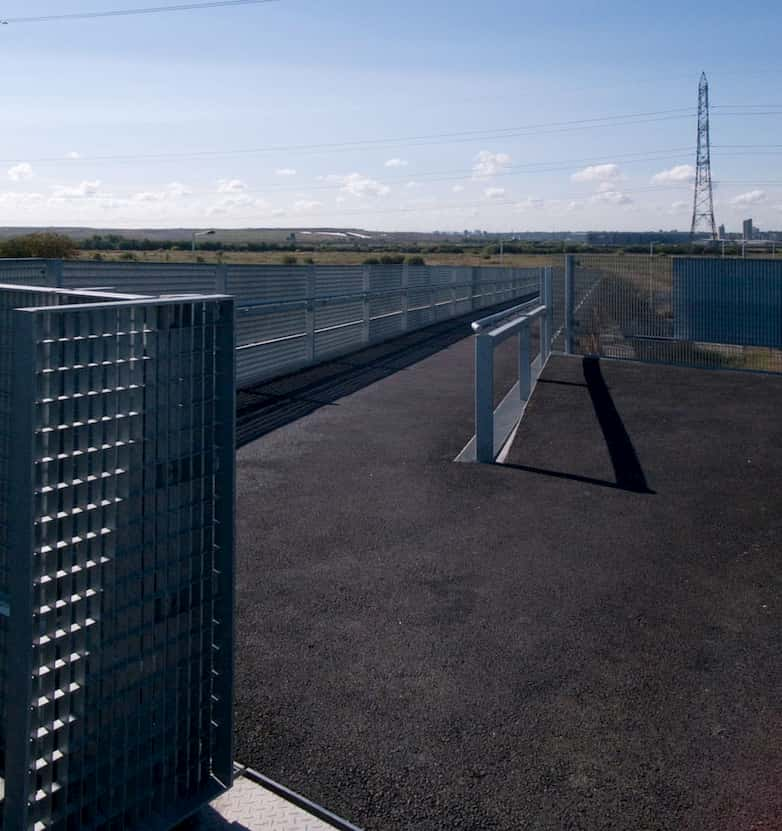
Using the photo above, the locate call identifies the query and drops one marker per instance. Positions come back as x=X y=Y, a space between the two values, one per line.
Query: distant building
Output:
x=722 y=232
x=747 y=229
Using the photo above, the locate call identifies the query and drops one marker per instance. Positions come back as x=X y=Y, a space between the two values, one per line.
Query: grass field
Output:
x=318 y=257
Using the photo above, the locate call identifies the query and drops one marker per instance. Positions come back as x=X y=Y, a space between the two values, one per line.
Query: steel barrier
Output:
x=116 y=557
x=291 y=317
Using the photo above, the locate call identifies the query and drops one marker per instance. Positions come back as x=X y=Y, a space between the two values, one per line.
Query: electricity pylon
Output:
x=703 y=207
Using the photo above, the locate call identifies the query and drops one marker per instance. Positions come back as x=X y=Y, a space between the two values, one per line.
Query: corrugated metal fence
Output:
x=711 y=313
x=116 y=557
x=290 y=317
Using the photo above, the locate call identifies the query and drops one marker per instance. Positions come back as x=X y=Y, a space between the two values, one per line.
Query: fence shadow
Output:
x=628 y=473
x=207 y=819
x=271 y=405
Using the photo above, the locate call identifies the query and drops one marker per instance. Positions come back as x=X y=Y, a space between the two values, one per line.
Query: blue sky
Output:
x=138 y=121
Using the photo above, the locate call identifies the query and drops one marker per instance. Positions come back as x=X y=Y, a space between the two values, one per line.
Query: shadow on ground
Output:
x=628 y=473
x=208 y=819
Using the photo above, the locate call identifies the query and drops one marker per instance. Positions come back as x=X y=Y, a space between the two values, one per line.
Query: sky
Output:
x=505 y=115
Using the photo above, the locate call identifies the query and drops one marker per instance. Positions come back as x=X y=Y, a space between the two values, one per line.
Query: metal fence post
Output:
x=54 y=273
x=547 y=324
x=366 y=315
x=454 y=280
x=310 y=312
x=21 y=524
x=484 y=398
x=221 y=279
x=225 y=538
x=473 y=287
x=525 y=369
x=570 y=274
x=405 y=295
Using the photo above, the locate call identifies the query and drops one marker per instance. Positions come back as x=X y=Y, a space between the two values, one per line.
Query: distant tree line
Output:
x=380 y=252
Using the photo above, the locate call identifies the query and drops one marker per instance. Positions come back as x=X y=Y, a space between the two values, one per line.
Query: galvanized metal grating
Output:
x=120 y=627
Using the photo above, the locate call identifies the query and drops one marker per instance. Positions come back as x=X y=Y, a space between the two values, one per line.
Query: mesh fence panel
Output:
x=121 y=591
x=717 y=314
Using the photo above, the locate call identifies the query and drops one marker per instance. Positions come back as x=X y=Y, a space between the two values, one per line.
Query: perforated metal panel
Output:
x=119 y=540
x=31 y=272
x=146 y=278
x=294 y=316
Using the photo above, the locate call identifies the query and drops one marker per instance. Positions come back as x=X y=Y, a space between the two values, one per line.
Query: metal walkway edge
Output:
x=257 y=803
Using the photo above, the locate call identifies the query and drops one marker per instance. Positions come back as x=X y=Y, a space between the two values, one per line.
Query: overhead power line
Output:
x=460 y=137
x=181 y=7
x=487 y=134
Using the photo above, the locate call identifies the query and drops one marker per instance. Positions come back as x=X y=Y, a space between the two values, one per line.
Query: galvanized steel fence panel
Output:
x=711 y=313
x=31 y=272
x=118 y=514
x=290 y=317
x=141 y=278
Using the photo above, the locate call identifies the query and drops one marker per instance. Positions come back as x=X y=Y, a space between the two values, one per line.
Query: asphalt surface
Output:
x=585 y=638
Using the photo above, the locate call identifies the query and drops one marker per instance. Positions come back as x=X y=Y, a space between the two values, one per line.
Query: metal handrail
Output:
x=490 y=320
x=493 y=427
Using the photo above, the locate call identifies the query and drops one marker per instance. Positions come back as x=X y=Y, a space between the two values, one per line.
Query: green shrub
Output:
x=127 y=255
x=371 y=261
x=415 y=260
x=50 y=246
x=289 y=259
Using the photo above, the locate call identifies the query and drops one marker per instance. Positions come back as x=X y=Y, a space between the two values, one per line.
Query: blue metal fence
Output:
x=728 y=301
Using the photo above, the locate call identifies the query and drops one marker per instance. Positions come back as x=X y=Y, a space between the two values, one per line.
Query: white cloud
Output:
x=679 y=207
x=752 y=197
x=285 y=171
x=357 y=185
x=598 y=173
x=413 y=185
x=20 y=172
x=302 y=206
x=86 y=188
x=20 y=200
x=457 y=188
x=239 y=201
x=278 y=212
x=396 y=163
x=175 y=190
x=530 y=203
x=73 y=155
x=494 y=193
x=231 y=186
x=611 y=197
x=490 y=164
x=678 y=173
